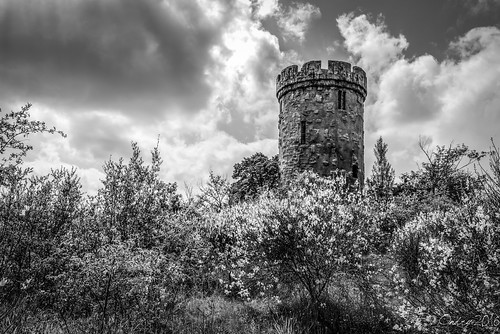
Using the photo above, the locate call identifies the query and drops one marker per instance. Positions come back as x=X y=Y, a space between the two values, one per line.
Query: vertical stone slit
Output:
x=303 y=132
x=355 y=171
x=341 y=99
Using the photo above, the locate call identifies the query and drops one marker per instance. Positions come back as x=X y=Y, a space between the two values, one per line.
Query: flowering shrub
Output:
x=448 y=270
x=233 y=234
x=315 y=234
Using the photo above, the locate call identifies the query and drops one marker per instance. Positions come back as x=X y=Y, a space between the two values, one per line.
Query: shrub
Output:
x=443 y=175
x=492 y=181
x=120 y=284
x=134 y=197
x=35 y=214
x=314 y=235
x=448 y=270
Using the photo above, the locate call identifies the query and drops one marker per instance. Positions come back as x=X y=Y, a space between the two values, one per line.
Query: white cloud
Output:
x=370 y=42
x=455 y=100
x=407 y=92
x=475 y=41
x=295 y=20
x=470 y=87
x=265 y=8
x=238 y=66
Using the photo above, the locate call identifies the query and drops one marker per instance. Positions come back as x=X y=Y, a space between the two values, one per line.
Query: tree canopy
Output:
x=253 y=175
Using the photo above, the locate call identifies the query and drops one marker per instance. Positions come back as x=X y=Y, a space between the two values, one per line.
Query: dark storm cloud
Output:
x=140 y=56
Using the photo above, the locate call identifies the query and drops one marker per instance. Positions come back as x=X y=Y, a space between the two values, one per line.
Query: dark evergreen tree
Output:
x=381 y=180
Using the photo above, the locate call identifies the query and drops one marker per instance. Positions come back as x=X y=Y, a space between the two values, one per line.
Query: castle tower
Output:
x=321 y=119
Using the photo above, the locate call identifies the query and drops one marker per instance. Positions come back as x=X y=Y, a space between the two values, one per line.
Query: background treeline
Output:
x=316 y=255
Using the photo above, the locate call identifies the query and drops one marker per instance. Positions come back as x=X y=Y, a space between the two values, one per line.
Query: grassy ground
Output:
x=214 y=314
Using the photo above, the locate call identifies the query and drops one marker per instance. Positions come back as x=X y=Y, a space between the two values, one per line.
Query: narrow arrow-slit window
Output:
x=355 y=171
x=303 y=132
x=341 y=99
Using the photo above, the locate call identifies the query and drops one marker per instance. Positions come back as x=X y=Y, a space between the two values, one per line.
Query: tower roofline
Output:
x=338 y=73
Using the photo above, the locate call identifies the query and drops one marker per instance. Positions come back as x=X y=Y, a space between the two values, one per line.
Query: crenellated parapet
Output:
x=338 y=74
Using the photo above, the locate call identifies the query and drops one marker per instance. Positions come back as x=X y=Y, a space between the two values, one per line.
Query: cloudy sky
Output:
x=200 y=75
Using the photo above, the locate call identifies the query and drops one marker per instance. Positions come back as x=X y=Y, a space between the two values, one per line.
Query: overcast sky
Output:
x=200 y=75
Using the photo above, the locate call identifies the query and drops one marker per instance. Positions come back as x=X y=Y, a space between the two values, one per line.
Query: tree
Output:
x=444 y=174
x=214 y=194
x=134 y=198
x=382 y=178
x=15 y=128
x=35 y=215
x=253 y=175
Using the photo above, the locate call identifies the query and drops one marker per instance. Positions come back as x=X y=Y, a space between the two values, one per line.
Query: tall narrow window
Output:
x=341 y=100
x=303 y=132
x=355 y=171
x=279 y=117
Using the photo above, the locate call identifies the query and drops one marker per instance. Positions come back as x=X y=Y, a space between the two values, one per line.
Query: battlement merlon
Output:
x=338 y=73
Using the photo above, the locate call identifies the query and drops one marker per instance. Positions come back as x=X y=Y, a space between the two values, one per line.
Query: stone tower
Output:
x=321 y=119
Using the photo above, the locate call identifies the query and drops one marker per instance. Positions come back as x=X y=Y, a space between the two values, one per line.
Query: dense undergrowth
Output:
x=314 y=256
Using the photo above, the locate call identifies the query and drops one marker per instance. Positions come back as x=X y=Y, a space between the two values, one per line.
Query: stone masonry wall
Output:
x=317 y=131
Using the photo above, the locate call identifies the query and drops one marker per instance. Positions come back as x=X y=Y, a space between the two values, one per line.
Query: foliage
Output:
x=381 y=180
x=253 y=175
x=232 y=234
x=448 y=268
x=317 y=256
x=119 y=283
x=134 y=197
x=317 y=233
x=492 y=180
x=35 y=214
x=15 y=129
x=444 y=174
x=214 y=194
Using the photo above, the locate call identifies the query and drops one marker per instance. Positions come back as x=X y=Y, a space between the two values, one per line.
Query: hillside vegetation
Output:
x=313 y=256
